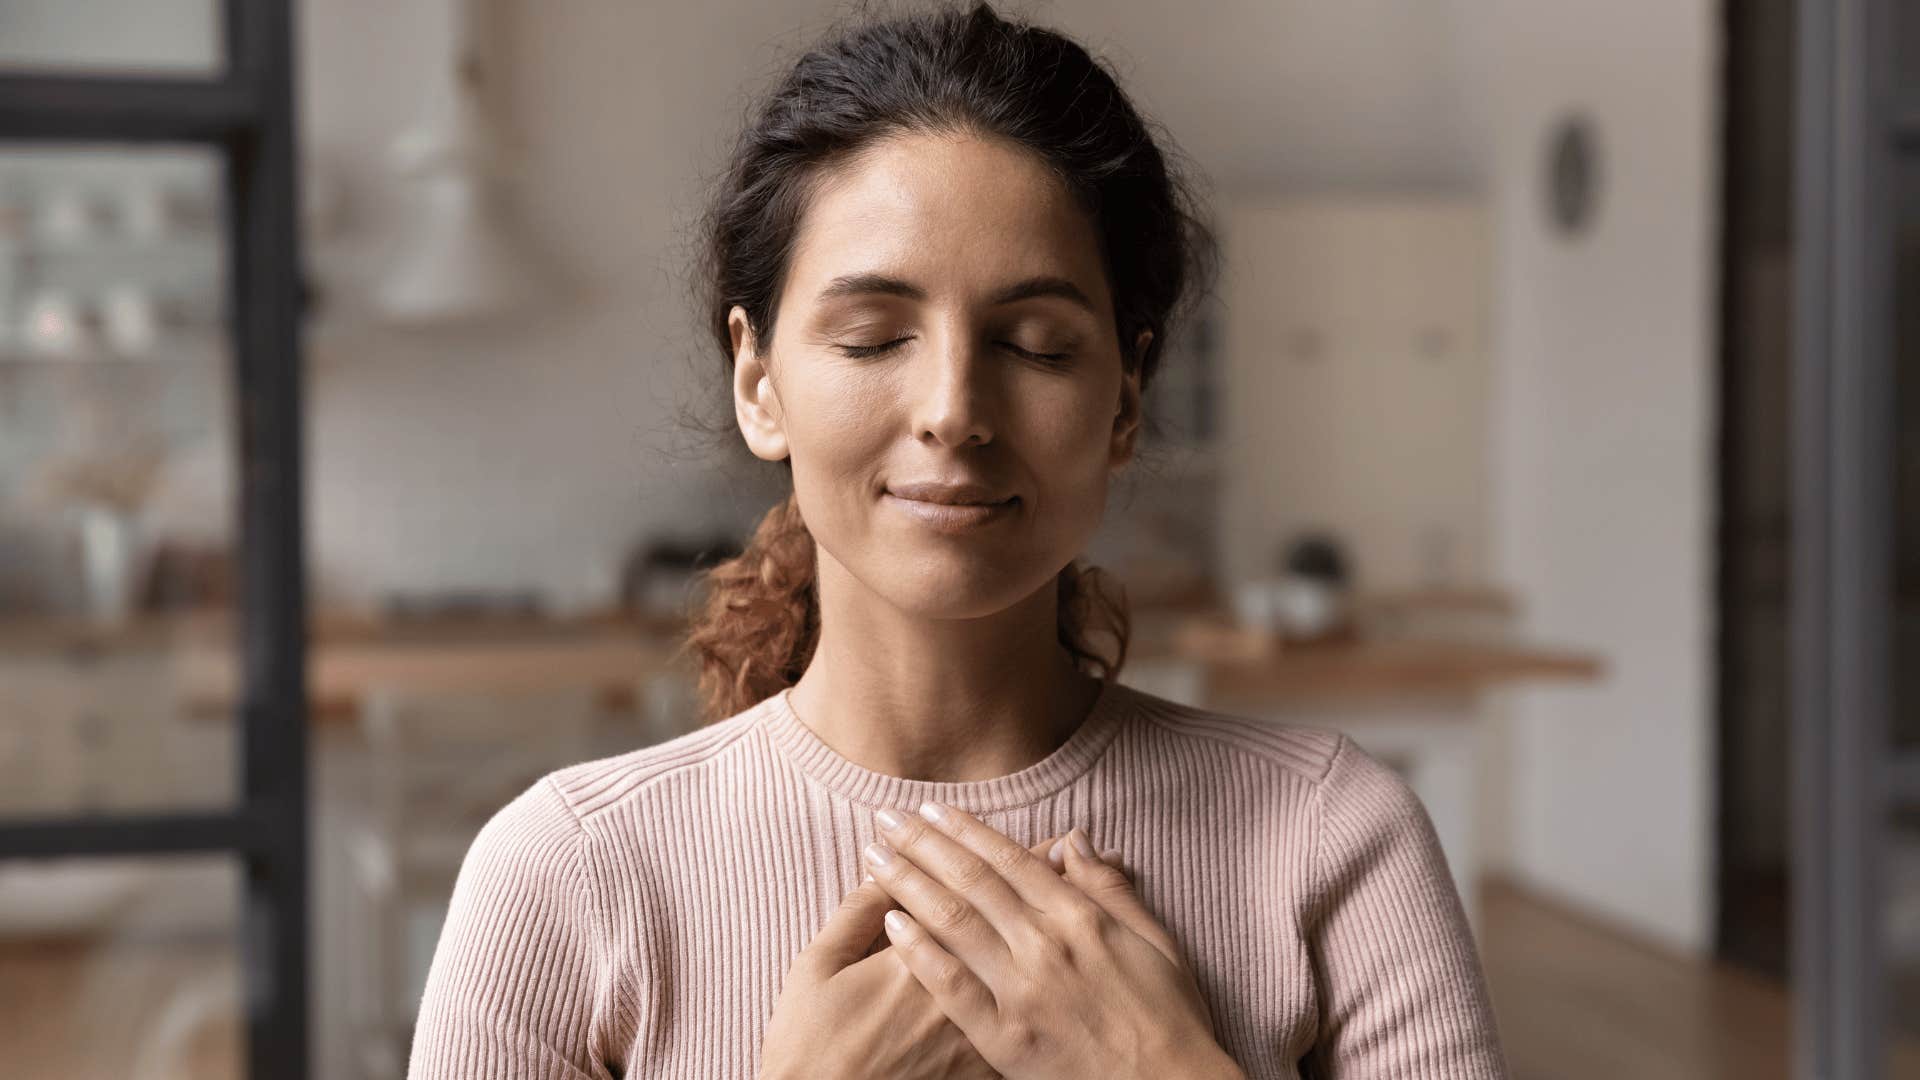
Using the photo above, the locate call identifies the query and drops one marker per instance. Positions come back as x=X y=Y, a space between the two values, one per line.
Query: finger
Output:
x=849 y=932
x=1040 y=850
x=1107 y=886
x=974 y=846
x=944 y=914
x=1055 y=853
x=980 y=881
x=955 y=989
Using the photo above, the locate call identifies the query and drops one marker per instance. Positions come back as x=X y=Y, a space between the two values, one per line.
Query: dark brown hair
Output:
x=961 y=70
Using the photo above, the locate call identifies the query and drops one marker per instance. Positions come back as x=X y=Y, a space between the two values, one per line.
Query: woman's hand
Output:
x=1049 y=979
x=850 y=1008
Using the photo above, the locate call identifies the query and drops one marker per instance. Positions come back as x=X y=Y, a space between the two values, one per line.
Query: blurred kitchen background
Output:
x=1480 y=453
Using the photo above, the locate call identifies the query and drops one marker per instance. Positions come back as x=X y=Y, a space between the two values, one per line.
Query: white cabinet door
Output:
x=1356 y=385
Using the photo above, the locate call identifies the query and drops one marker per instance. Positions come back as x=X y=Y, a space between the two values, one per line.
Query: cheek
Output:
x=1068 y=435
x=837 y=429
x=1067 y=446
x=833 y=411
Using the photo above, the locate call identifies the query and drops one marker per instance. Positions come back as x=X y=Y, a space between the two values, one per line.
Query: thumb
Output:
x=1049 y=850
x=848 y=933
x=1107 y=885
x=1052 y=851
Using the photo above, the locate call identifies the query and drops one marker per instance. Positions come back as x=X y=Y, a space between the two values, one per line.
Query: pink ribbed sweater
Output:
x=634 y=916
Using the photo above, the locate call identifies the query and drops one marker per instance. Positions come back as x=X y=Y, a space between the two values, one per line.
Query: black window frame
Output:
x=1854 y=122
x=245 y=112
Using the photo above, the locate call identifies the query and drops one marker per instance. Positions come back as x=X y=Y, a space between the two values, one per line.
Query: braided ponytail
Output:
x=760 y=617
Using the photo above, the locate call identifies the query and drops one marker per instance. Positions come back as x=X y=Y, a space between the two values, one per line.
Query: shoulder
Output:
x=590 y=788
x=1360 y=787
x=1353 y=791
x=1305 y=751
x=534 y=840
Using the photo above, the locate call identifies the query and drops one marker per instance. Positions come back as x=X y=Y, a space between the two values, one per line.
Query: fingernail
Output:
x=888 y=819
x=896 y=922
x=1080 y=842
x=878 y=855
x=933 y=812
x=864 y=878
x=1057 y=853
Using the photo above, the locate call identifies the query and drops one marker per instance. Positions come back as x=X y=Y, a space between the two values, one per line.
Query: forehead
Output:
x=955 y=214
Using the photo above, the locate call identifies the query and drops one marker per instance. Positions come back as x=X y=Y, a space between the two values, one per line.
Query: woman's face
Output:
x=944 y=373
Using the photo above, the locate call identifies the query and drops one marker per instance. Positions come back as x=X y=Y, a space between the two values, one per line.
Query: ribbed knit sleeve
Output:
x=1399 y=982
x=519 y=985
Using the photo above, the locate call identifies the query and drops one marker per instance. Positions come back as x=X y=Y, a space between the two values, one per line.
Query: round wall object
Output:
x=1573 y=174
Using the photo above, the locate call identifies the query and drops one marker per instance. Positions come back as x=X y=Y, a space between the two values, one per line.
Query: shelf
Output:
x=194 y=344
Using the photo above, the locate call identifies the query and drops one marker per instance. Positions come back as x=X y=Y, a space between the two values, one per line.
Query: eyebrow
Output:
x=869 y=284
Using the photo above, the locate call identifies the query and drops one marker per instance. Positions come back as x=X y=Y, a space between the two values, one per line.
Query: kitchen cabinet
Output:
x=1357 y=382
x=93 y=732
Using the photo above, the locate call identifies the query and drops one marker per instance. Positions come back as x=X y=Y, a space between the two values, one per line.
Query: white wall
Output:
x=532 y=454
x=1294 y=95
x=159 y=36
x=1604 y=426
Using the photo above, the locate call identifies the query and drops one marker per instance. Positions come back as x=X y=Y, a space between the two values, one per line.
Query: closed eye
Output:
x=1050 y=357
x=863 y=351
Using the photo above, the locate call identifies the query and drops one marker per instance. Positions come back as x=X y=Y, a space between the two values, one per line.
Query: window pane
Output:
x=116 y=503
x=171 y=37
x=121 y=967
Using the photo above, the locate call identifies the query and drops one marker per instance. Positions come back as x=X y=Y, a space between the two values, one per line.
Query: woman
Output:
x=941 y=268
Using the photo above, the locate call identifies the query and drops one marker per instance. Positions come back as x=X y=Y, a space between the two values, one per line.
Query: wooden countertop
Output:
x=1243 y=665
x=347 y=656
x=1393 y=669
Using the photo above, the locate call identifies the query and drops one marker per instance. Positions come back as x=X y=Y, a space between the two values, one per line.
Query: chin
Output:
x=949 y=587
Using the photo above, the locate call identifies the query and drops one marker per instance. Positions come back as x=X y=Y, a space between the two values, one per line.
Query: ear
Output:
x=1126 y=419
x=756 y=406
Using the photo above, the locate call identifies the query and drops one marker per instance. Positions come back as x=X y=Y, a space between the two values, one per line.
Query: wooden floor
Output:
x=1574 y=1000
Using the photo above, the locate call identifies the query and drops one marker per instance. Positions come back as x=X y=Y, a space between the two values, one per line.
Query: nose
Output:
x=952 y=405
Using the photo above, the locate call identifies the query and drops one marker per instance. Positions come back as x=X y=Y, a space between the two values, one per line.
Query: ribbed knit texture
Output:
x=635 y=916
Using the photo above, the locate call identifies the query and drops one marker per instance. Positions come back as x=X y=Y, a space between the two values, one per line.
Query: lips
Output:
x=953 y=508
x=950 y=494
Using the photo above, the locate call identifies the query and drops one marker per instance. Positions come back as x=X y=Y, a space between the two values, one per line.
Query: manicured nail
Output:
x=1057 y=853
x=896 y=923
x=933 y=812
x=888 y=819
x=878 y=855
x=1080 y=842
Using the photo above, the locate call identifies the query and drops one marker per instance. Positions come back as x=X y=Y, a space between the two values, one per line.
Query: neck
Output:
x=939 y=699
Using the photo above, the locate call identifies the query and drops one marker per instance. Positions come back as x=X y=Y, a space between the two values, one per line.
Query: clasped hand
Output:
x=1037 y=964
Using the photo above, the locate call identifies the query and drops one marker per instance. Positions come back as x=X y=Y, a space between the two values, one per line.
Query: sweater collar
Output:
x=866 y=786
